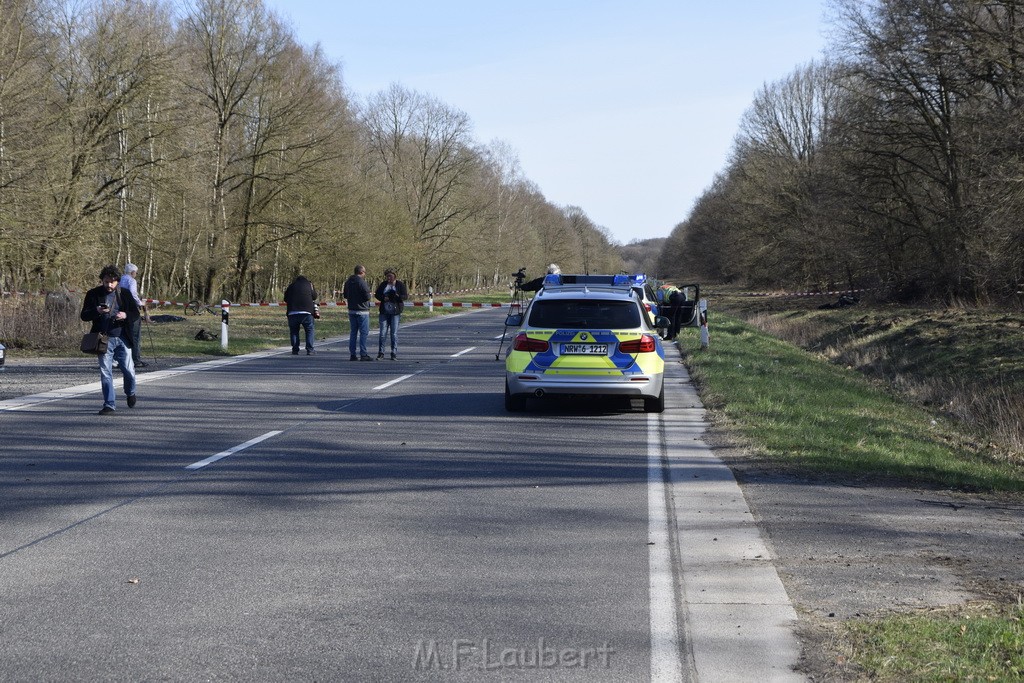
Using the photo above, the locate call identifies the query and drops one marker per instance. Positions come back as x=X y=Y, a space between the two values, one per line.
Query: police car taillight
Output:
x=645 y=344
x=525 y=343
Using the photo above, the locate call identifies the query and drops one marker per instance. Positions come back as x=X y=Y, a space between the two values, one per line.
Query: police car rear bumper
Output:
x=636 y=385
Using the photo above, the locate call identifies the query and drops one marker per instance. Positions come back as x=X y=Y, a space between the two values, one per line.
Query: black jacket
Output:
x=534 y=285
x=105 y=322
x=399 y=295
x=357 y=294
x=300 y=296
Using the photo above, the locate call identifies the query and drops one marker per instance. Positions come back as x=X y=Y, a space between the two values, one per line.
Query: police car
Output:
x=648 y=297
x=585 y=334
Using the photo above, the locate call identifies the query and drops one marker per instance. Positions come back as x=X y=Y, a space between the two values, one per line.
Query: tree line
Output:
x=203 y=142
x=895 y=162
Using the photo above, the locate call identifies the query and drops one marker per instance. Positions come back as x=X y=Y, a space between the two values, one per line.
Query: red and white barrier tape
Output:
x=442 y=304
x=836 y=293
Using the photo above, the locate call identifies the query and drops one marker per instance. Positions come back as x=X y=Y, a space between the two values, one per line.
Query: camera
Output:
x=520 y=275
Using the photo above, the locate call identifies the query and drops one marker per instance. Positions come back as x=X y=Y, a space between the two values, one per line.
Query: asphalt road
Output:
x=311 y=518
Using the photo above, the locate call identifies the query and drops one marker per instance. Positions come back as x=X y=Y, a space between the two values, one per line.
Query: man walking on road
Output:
x=111 y=310
x=357 y=296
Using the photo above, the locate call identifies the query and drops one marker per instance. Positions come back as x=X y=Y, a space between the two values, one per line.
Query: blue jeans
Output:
x=391 y=323
x=305 y=321
x=359 y=327
x=116 y=349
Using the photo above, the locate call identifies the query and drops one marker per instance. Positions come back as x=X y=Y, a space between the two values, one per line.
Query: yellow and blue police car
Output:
x=585 y=334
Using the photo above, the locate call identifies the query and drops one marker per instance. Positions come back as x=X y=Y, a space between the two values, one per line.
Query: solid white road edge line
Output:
x=463 y=352
x=665 y=664
x=231 y=451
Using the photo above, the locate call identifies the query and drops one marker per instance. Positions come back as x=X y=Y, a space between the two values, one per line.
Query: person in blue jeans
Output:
x=357 y=296
x=391 y=294
x=112 y=310
x=300 y=298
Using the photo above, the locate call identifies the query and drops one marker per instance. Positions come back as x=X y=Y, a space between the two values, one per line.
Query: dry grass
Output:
x=41 y=323
x=964 y=363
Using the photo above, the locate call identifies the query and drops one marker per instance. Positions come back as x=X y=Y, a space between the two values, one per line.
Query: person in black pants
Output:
x=300 y=297
x=129 y=283
x=675 y=303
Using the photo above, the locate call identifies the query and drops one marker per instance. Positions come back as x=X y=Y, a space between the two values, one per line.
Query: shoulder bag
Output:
x=94 y=343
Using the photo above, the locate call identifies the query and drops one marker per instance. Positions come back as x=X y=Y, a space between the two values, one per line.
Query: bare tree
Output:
x=98 y=68
x=21 y=141
x=906 y=58
x=232 y=44
x=427 y=159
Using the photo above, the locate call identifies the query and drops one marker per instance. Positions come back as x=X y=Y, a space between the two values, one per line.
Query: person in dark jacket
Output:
x=357 y=296
x=391 y=293
x=300 y=297
x=129 y=282
x=113 y=311
x=536 y=284
x=676 y=299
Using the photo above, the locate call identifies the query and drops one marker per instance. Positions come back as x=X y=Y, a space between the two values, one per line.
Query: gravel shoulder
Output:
x=848 y=549
x=26 y=376
x=844 y=549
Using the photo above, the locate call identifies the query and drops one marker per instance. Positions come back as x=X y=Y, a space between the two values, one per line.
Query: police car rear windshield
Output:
x=585 y=314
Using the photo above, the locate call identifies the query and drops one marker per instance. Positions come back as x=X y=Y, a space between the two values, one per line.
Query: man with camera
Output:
x=112 y=311
x=536 y=284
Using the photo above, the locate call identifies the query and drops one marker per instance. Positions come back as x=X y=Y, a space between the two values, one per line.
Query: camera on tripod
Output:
x=520 y=276
x=515 y=307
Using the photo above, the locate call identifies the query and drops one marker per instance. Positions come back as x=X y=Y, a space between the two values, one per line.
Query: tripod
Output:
x=516 y=305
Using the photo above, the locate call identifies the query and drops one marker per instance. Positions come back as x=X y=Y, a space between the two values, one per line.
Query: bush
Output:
x=41 y=322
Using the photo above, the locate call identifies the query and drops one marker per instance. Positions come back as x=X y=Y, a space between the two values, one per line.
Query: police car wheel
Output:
x=655 y=405
x=514 y=404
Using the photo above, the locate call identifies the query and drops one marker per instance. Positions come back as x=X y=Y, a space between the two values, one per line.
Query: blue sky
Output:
x=626 y=109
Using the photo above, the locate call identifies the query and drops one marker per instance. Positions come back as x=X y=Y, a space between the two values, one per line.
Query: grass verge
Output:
x=796 y=408
x=974 y=643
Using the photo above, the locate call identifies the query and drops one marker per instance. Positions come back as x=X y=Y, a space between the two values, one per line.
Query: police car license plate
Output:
x=585 y=349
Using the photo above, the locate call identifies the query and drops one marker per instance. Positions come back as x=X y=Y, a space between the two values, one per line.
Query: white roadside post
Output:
x=430 y=299
x=225 y=309
x=705 y=338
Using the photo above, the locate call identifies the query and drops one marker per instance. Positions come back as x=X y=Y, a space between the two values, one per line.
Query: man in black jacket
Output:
x=300 y=298
x=358 y=296
x=113 y=311
x=536 y=284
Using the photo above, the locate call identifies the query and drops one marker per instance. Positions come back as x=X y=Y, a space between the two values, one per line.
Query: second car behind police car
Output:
x=585 y=334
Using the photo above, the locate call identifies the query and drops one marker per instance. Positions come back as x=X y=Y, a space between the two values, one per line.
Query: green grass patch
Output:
x=254 y=328
x=974 y=644
x=792 y=405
